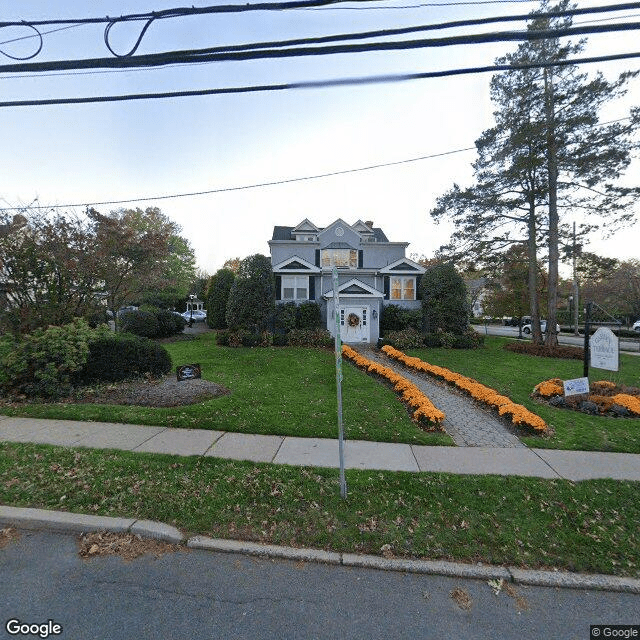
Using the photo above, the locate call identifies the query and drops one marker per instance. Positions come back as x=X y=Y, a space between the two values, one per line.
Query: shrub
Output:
x=169 y=324
x=152 y=323
x=123 y=356
x=405 y=339
x=308 y=316
x=529 y=348
x=218 y=290
x=310 y=338
x=444 y=300
x=397 y=318
x=43 y=363
x=469 y=340
x=251 y=302
x=140 y=323
x=285 y=316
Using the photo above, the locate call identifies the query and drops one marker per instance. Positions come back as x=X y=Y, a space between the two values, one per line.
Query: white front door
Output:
x=354 y=324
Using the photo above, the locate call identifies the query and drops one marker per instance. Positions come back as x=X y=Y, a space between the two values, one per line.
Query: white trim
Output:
x=354 y=281
x=309 y=267
x=309 y=228
x=417 y=269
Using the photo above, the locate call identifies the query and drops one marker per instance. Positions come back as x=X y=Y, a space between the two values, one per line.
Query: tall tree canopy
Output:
x=548 y=153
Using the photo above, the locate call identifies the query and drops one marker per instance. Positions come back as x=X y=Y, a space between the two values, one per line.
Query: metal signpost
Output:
x=338 y=342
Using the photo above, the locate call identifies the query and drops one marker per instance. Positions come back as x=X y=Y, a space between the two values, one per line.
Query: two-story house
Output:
x=372 y=273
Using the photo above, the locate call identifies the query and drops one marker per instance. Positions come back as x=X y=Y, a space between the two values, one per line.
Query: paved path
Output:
x=318 y=452
x=466 y=422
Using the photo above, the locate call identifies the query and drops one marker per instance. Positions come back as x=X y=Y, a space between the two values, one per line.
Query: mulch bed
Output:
x=167 y=392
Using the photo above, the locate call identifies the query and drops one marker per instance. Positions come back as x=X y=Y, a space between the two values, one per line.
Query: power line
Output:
x=261 y=184
x=236 y=52
x=200 y=55
x=244 y=187
x=319 y=84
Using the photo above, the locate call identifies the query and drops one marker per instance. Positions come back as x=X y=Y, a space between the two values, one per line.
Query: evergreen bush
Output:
x=218 y=289
x=123 y=356
x=45 y=362
x=308 y=316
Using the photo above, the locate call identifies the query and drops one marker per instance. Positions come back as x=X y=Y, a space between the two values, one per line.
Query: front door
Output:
x=354 y=324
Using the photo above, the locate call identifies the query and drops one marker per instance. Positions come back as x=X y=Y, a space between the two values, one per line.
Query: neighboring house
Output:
x=372 y=273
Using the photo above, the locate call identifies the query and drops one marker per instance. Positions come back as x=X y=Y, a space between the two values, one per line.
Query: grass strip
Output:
x=589 y=526
x=515 y=376
x=286 y=391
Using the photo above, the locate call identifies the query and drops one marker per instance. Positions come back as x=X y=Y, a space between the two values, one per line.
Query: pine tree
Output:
x=547 y=153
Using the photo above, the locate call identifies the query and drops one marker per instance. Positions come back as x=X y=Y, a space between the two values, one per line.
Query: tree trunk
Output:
x=552 y=169
x=534 y=303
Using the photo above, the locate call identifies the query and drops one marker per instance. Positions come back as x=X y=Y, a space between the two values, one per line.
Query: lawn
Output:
x=515 y=375
x=590 y=526
x=282 y=391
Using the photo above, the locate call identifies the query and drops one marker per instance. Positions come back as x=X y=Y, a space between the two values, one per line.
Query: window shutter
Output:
x=360 y=258
x=418 y=292
x=317 y=257
x=386 y=287
x=312 y=288
x=278 y=287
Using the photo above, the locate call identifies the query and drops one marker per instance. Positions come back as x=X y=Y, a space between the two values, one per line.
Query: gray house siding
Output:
x=364 y=286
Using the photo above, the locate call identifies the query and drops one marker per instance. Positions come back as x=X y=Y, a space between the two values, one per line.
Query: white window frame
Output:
x=403 y=288
x=328 y=258
x=297 y=284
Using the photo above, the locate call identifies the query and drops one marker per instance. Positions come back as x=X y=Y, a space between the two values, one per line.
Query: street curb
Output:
x=83 y=523
x=64 y=521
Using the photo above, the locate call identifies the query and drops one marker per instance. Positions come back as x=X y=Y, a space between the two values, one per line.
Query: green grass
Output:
x=515 y=375
x=280 y=391
x=590 y=526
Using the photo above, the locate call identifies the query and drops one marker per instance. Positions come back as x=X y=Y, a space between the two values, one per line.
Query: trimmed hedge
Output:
x=124 y=356
x=152 y=324
x=541 y=350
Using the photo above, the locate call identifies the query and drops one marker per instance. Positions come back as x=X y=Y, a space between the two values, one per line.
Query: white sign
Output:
x=576 y=387
x=603 y=347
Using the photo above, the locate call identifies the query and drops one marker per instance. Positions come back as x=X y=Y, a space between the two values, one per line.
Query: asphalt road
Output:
x=200 y=594
x=563 y=338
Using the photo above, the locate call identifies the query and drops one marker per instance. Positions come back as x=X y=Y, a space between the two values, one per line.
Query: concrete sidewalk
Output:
x=317 y=452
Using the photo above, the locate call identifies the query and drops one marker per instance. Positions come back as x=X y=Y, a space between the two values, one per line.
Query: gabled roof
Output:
x=306 y=226
x=296 y=264
x=404 y=265
x=355 y=288
x=286 y=233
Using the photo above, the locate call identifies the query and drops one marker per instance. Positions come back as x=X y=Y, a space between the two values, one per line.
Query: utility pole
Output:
x=576 y=307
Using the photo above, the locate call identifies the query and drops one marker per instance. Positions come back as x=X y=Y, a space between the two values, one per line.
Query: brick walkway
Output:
x=467 y=422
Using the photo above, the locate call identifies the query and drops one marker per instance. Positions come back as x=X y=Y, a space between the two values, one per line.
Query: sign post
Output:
x=338 y=346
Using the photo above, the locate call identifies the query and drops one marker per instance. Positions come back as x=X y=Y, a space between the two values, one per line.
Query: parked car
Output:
x=198 y=316
x=636 y=326
x=543 y=325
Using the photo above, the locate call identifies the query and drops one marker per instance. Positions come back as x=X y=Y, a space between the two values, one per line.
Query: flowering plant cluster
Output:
x=422 y=407
x=603 y=393
x=519 y=415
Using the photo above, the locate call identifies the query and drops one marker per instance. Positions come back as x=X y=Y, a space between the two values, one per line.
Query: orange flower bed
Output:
x=519 y=415
x=422 y=407
x=601 y=393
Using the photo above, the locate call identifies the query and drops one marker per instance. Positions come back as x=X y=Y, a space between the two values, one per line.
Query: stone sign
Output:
x=188 y=372
x=603 y=348
x=578 y=386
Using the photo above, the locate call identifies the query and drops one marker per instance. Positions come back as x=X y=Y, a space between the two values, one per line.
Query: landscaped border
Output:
x=520 y=415
x=422 y=406
x=555 y=387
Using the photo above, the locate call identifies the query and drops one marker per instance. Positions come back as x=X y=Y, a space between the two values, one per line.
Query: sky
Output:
x=139 y=150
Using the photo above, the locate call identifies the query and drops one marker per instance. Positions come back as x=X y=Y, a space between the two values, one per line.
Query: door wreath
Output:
x=353 y=320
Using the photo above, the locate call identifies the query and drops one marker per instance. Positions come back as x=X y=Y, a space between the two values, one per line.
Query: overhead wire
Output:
x=260 y=184
x=215 y=54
